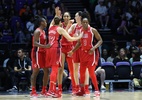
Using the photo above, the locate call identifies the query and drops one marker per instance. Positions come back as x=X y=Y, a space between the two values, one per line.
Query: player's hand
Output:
x=58 y=12
x=70 y=53
x=71 y=21
x=80 y=34
x=48 y=46
x=91 y=51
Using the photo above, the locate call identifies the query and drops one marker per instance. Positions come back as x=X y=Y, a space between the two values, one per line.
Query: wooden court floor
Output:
x=116 y=95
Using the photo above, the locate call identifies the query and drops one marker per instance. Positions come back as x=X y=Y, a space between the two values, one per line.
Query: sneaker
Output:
x=49 y=94
x=53 y=94
x=74 y=91
x=59 y=91
x=43 y=93
x=97 y=94
x=103 y=87
x=14 y=89
x=56 y=95
x=33 y=94
x=80 y=93
x=87 y=91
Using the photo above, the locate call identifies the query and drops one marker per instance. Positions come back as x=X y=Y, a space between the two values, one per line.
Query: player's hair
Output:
x=38 y=20
x=80 y=13
x=57 y=20
x=68 y=13
x=85 y=15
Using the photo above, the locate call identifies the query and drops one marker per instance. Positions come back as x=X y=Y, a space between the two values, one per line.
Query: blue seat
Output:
x=109 y=70
x=136 y=67
x=123 y=70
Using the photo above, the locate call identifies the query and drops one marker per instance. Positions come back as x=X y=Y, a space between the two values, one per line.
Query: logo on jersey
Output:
x=85 y=35
x=52 y=32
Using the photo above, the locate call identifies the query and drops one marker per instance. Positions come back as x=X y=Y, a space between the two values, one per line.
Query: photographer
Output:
x=22 y=68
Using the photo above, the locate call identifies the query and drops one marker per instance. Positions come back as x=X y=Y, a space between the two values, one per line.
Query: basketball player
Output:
x=66 y=46
x=89 y=54
x=74 y=30
x=53 y=53
x=38 y=56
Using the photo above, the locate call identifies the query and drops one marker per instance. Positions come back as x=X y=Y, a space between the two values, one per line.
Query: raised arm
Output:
x=63 y=32
x=57 y=13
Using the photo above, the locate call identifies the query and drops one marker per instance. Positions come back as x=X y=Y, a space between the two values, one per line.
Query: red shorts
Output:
x=53 y=57
x=66 y=48
x=76 y=56
x=89 y=59
x=38 y=59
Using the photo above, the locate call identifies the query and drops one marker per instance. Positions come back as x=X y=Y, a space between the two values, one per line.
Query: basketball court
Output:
x=116 y=95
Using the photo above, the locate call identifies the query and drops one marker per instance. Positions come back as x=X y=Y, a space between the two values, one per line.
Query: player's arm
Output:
x=99 y=40
x=98 y=37
x=36 y=40
x=70 y=30
x=70 y=26
x=63 y=32
x=57 y=13
x=77 y=46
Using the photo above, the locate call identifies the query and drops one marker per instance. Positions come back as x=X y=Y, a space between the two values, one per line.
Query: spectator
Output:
x=112 y=56
x=101 y=13
x=104 y=54
x=29 y=28
x=49 y=11
x=18 y=33
x=135 y=56
x=133 y=46
x=122 y=57
x=23 y=9
x=7 y=35
x=26 y=15
x=101 y=73
x=122 y=29
x=135 y=24
x=138 y=82
x=114 y=44
x=22 y=68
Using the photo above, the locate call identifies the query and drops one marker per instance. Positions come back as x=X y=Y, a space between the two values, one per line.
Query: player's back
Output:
x=53 y=36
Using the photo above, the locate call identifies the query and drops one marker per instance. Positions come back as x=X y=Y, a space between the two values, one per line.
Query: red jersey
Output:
x=42 y=40
x=76 y=31
x=53 y=36
x=64 y=41
x=87 y=39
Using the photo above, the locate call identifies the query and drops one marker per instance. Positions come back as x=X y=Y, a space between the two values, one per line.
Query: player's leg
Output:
x=71 y=71
x=87 y=82
x=60 y=73
x=45 y=80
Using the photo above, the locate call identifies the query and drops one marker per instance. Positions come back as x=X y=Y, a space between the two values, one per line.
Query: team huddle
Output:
x=78 y=46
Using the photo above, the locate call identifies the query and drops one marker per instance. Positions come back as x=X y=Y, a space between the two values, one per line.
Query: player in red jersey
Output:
x=89 y=54
x=74 y=30
x=66 y=46
x=53 y=53
x=38 y=56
